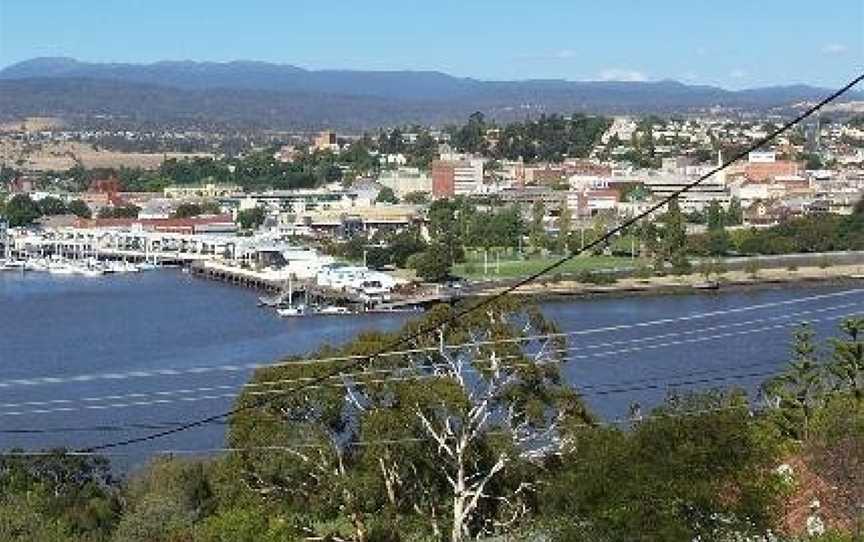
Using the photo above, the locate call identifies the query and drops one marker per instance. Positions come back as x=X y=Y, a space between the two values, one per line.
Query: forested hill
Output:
x=285 y=96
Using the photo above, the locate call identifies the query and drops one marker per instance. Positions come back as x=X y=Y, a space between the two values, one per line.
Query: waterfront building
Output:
x=337 y=223
x=200 y=224
x=369 y=284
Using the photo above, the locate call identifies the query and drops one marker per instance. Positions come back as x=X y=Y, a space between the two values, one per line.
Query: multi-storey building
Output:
x=456 y=177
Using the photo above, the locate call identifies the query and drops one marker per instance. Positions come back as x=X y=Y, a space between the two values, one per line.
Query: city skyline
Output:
x=771 y=44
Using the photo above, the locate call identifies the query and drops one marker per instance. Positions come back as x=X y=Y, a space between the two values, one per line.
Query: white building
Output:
x=362 y=280
x=762 y=157
x=468 y=176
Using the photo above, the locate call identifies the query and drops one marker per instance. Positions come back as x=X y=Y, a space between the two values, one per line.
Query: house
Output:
x=22 y=185
x=766 y=212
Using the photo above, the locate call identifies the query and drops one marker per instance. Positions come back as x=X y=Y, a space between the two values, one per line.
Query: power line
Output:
x=411 y=374
x=362 y=443
x=407 y=339
x=114 y=376
x=267 y=383
x=163 y=425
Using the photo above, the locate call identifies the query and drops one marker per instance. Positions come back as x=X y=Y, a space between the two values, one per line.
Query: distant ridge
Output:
x=228 y=93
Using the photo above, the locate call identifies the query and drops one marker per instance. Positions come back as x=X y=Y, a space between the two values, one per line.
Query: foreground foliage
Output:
x=451 y=440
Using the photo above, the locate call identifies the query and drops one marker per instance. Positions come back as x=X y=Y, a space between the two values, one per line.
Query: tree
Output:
x=386 y=195
x=189 y=210
x=404 y=244
x=565 y=222
x=378 y=257
x=50 y=206
x=426 y=445
x=444 y=228
x=675 y=239
x=797 y=393
x=752 y=268
x=734 y=213
x=424 y=150
x=164 y=500
x=80 y=209
x=56 y=497
x=434 y=265
x=471 y=138
x=847 y=364
x=22 y=211
x=120 y=211
x=416 y=198
x=718 y=238
x=812 y=161
x=250 y=219
x=698 y=468
x=714 y=217
x=537 y=232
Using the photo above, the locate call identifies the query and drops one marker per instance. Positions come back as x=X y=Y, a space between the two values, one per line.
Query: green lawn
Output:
x=513 y=268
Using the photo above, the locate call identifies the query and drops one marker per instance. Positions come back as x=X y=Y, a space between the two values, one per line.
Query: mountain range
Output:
x=280 y=96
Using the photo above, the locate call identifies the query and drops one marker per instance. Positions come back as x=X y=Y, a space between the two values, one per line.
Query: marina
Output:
x=276 y=268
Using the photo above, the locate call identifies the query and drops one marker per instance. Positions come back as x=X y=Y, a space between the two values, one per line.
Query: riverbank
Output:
x=672 y=284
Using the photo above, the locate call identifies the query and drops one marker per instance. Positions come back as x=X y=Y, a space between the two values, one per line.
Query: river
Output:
x=67 y=340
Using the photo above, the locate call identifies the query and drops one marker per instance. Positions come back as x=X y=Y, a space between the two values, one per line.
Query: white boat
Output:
x=147 y=266
x=87 y=272
x=121 y=267
x=90 y=269
x=333 y=310
x=15 y=264
x=36 y=264
x=290 y=312
x=61 y=268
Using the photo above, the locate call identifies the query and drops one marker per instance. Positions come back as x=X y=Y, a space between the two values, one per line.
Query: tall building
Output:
x=443 y=179
x=456 y=177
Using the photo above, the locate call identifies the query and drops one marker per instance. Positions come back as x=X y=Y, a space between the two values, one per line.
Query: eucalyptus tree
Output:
x=445 y=439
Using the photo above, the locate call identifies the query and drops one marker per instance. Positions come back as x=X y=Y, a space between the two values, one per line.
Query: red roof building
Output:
x=199 y=224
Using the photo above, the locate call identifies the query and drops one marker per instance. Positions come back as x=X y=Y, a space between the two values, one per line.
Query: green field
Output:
x=512 y=268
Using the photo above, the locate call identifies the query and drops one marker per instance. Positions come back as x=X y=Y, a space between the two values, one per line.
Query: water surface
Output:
x=66 y=327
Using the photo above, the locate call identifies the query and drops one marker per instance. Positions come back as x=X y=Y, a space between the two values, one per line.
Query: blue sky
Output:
x=735 y=44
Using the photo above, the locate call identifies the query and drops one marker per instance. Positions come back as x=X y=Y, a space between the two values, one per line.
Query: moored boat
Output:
x=707 y=285
x=61 y=268
x=333 y=310
x=290 y=312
